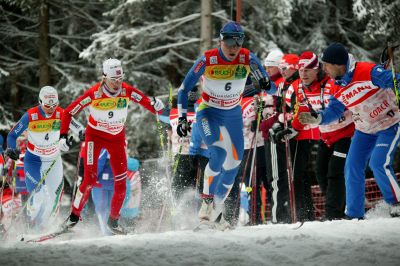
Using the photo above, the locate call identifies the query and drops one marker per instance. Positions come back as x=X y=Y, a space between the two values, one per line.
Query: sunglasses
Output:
x=116 y=79
x=283 y=68
x=233 y=40
x=50 y=106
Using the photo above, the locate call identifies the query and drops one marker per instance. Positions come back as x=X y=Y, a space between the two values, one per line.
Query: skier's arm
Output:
x=76 y=127
x=139 y=97
x=382 y=78
x=258 y=71
x=16 y=131
x=74 y=108
x=195 y=140
x=333 y=112
x=189 y=83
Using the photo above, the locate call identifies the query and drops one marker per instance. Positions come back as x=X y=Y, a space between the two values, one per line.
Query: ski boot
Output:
x=71 y=221
x=115 y=228
x=395 y=210
x=206 y=209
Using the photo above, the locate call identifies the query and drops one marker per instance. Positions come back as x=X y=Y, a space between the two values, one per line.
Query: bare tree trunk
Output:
x=206 y=30
x=44 y=44
x=14 y=91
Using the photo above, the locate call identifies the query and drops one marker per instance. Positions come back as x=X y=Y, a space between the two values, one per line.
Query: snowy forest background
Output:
x=63 y=42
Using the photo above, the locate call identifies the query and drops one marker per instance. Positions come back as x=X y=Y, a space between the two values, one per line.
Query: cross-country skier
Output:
x=42 y=162
x=108 y=107
x=219 y=116
x=313 y=93
x=366 y=90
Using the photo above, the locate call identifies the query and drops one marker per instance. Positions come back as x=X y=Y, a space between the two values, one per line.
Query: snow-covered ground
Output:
x=374 y=241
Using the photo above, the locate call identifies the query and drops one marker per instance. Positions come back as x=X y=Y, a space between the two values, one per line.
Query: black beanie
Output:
x=335 y=54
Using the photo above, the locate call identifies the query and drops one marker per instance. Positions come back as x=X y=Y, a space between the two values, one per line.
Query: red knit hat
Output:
x=308 y=60
x=289 y=61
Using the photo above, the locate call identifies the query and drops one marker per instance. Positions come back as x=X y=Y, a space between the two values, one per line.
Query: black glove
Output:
x=13 y=154
x=276 y=127
x=82 y=135
x=65 y=143
x=265 y=84
x=289 y=132
x=183 y=127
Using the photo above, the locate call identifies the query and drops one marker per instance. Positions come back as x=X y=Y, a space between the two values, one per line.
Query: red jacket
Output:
x=312 y=96
x=108 y=113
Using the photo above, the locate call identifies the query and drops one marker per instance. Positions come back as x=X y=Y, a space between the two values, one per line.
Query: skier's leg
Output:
x=360 y=151
x=32 y=171
x=335 y=195
x=93 y=148
x=322 y=163
x=381 y=163
x=118 y=161
x=54 y=187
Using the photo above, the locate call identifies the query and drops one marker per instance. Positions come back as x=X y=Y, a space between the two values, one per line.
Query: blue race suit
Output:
x=219 y=116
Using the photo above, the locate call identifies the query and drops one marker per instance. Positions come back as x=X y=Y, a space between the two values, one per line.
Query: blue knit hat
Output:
x=232 y=28
x=335 y=54
x=232 y=34
x=133 y=164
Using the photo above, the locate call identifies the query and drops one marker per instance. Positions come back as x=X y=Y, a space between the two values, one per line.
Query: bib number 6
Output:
x=228 y=86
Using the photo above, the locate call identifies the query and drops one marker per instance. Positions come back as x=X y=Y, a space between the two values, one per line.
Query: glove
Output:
x=289 y=132
x=64 y=143
x=13 y=154
x=183 y=127
x=265 y=84
x=276 y=127
x=308 y=118
x=157 y=104
x=82 y=135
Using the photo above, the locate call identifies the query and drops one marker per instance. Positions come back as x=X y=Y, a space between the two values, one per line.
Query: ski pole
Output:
x=390 y=50
x=178 y=156
x=169 y=180
x=292 y=198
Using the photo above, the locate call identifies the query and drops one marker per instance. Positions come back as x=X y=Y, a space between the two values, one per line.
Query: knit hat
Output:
x=335 y=54
x=289 y=61
x=48 y=96
x=308 y=60
x=133 y=164
x=232 y=34
x=273 y=58
x=112 y=68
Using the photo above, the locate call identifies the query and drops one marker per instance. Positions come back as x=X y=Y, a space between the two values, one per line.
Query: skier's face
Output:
x=114 y=83
x=49 y=109
x=287 y=72
x=272 y=70
x=308 y=76
x=334 y=70
x=230 y=52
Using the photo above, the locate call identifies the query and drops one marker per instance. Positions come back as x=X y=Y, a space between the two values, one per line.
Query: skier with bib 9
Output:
x=108 y=107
